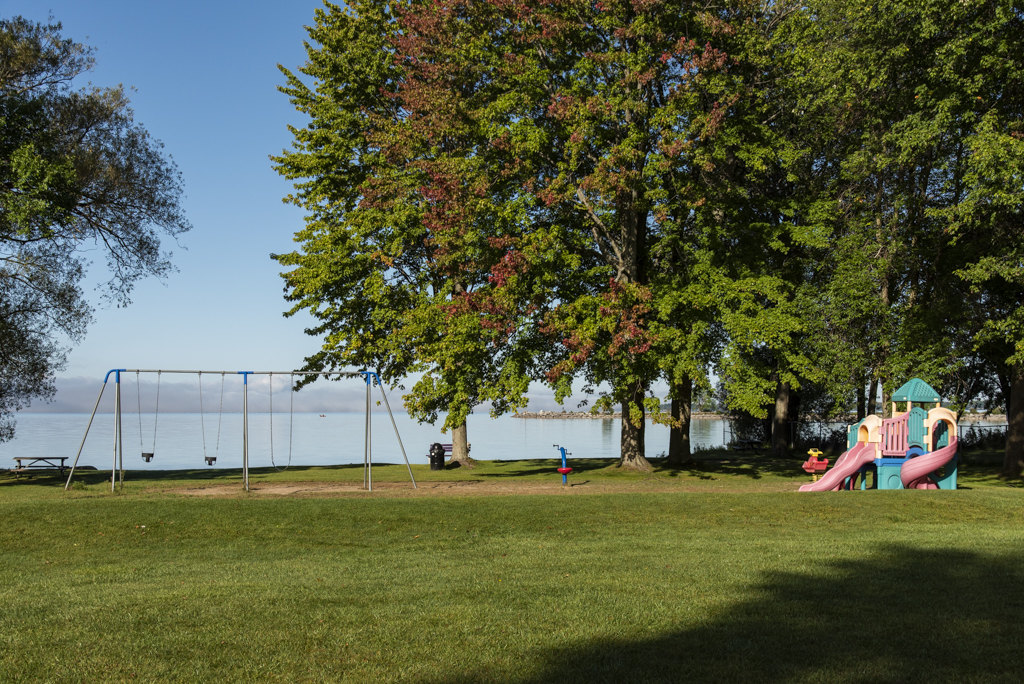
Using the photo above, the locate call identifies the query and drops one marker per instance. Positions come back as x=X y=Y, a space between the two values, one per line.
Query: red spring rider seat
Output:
x=814 y=465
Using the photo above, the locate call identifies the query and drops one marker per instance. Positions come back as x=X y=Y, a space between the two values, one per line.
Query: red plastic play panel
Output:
x=565 y=471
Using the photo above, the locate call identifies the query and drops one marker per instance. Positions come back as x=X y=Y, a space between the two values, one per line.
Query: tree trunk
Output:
x=792 y=416
x=630 y=266
x=679 y=435
x=460 y=447
x=861 y=401
x=780 y=436
x=1013 y=461
x=632 y=442
x=872 y=396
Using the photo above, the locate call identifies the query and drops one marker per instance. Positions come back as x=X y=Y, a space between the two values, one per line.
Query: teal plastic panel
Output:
x=916 y=429
x=948 y=478
x=888 y=477
x=916 y=390
x=851 y=434
x=942 y=435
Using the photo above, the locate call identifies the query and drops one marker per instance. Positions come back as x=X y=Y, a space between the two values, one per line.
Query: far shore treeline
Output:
x=812 y=201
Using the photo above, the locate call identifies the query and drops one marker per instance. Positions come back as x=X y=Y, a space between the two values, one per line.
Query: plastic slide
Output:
x=914 y=473
x=848 y=464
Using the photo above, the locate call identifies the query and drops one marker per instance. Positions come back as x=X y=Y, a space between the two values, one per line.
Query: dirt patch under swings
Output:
x=390 y=489
x=460 y=488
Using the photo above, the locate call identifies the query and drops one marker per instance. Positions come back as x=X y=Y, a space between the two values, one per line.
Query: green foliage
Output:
x=806 y=197
x=76 y=174
x=406 y=221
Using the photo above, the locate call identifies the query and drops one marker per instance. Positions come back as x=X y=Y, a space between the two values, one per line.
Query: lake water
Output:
x=334 y=439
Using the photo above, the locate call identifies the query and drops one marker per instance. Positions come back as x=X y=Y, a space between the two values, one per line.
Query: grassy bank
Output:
x=659 y=586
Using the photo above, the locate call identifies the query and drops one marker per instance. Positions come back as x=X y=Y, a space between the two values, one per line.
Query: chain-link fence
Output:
x=803 y=435
x=831 y=436
x=978 y=437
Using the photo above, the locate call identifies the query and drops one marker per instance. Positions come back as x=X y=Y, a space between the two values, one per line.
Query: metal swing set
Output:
x=118 y=456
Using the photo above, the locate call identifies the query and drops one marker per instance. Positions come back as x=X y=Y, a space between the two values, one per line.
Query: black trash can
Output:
x=436 y=456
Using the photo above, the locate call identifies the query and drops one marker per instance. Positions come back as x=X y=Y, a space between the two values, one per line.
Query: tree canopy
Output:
x=76 y=173
x=796 y=196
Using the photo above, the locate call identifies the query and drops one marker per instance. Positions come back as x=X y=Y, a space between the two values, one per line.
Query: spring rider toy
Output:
x=814 y=465
x=565 y=469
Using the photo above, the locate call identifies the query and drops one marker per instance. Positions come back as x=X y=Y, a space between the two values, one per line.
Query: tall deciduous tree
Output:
x=985 y=58
x=615 y=104
x=76 y=173
x=410 y=221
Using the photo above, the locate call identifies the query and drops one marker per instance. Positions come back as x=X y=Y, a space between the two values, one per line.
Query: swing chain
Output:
x=272 y=421
x=291 y=414
x=220 y=415
x=291 y=420
x=202 y=422
x=156 y=411
x=138 y=396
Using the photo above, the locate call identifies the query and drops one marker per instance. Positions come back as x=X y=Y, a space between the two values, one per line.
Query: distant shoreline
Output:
x=586 y=415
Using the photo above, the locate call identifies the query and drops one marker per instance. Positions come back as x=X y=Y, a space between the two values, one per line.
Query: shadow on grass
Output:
x=38 y=477
x=92 y=476
x=753 y=467
x=902 y=615
x=546 y=466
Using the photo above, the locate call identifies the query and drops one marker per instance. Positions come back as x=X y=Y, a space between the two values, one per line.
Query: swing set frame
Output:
x=370 y=378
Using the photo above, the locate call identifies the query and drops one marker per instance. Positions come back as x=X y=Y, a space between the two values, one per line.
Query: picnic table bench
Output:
x=745 y=444
x=29 y=462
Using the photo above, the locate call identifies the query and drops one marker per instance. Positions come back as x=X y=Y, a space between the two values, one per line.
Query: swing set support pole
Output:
x=87 y=428
x=367 y=450
x=120 y=434
x=117 y=434
x=245 y=429
x=395 y=425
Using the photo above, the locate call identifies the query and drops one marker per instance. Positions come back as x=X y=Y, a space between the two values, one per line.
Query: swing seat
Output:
x=210 y=460
x=147 y=456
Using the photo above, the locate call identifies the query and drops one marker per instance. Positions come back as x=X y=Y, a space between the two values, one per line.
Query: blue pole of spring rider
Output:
x=564 y=470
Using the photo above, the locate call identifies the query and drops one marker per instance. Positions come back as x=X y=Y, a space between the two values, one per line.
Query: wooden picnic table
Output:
x=27 y=462
x=745 y=444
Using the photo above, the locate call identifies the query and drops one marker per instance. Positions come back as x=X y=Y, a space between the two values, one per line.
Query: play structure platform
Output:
x=916 y=449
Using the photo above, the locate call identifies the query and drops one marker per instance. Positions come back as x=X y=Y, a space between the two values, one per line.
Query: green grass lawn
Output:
x=663 y=584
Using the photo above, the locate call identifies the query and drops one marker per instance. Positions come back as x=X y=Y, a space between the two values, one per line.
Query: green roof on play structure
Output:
x=916 y=390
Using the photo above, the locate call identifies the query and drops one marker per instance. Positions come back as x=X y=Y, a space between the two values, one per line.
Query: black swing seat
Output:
x=147 y=456
x=210 y=460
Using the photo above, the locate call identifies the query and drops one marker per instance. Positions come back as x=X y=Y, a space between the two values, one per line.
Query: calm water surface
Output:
x=183 y=438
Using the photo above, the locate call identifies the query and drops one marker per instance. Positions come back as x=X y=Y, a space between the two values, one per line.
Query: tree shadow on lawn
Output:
x=902 y=615
x=89 y=475
x=754 y=467
x=545 y=466
x=41 y=477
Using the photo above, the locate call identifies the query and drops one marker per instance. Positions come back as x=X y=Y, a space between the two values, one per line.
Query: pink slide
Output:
x=914 y=473
x=848 y=464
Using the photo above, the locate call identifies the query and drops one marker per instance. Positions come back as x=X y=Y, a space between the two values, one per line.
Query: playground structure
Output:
x=118 y=455
x=916 y=449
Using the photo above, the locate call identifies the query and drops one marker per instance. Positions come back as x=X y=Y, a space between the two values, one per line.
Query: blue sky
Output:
x=205 y=77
